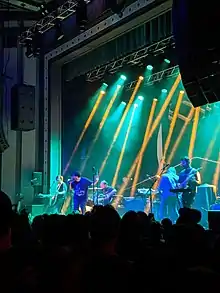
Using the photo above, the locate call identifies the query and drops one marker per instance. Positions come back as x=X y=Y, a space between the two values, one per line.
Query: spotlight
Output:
x=155 y=99
x=164 y=91
x=182 y=92
x=103 y=92
x=123 y=77
x=149 y=67
x=141 y=98
x=141 y=77
x=167 y=61
x=135 y=105
x=118 y=86
x=123 y=103
x=105 y=84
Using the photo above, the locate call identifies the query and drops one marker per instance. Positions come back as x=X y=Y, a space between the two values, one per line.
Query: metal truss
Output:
x=156 y=77
x=68 y=8
x=131 y=59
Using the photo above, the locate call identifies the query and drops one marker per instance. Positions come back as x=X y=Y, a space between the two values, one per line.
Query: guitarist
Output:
x=189 y=178
x=59 y=190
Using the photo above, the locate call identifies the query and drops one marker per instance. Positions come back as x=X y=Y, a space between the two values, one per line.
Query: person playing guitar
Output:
x=189 y=179
x=58 y=192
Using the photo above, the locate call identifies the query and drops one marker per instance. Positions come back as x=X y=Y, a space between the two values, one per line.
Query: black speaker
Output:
x=196 y=29
x=36 y=179
x=23 y=107
x=214 y=221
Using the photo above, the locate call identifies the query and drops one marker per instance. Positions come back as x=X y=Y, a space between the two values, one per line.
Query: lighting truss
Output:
x=156 y=77
x=131 y=59
x=64 y=11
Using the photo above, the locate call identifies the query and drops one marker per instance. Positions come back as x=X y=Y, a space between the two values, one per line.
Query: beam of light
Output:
x=149 y=123
x=194 y=132
x=154 y=126
x=217 y=172
x=101 y=125
x=170 y=133
x=114 y=181
x=180 y=136
x=173 y=123
x=210 y=148
x=121 y=123
x=88 y=122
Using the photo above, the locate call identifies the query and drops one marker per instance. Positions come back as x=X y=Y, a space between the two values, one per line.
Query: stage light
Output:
x=149 y=67
x=123 y=77
x=141 y=77
x=155 y=99
x=141 y=98
x=123 y=103
x=135 y=105
x=182 y=92
x=164 y=91
x=102 y=92
x=167 y=61
x=118 y=86
x=105 y=84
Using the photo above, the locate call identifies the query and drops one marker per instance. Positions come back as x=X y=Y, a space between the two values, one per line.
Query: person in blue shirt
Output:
x=79 y=185
x=168 y=205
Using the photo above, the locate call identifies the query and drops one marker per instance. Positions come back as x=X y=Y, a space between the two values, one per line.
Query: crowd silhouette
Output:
x=102 y=252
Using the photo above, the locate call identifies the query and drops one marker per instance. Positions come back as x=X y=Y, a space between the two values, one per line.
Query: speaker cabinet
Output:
x=196 y=31
x=36 y=179
x=23 y=108
x=214 y=221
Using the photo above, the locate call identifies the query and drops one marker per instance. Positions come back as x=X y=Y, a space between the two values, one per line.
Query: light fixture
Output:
x=123 y=103
x=167 y=61
x=123 y=77
x=135 y=105
x=141 y=77
x=182 y=92
x=164 y=91
x=149 y=67
x=103 y=92
x=141 y=98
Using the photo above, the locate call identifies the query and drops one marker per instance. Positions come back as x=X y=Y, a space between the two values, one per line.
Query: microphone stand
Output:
x=151 y=187
x=93 y=185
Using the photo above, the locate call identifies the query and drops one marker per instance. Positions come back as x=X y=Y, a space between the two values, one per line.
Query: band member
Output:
x=189 y=178
x=79 y=185
x=58 y=190
x=168 y=181
x=107 y=193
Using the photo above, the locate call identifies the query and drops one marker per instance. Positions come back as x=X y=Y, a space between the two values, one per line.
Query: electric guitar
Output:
x=191 y=174
x=183 y=187
x=52 y=198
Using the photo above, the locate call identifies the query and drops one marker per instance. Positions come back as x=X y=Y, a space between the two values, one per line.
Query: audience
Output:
x=103 y=252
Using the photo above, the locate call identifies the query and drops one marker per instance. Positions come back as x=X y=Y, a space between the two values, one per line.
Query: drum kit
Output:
x=143 y=194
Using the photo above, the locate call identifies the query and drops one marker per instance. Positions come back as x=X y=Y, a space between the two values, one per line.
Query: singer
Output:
x=79 y=186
